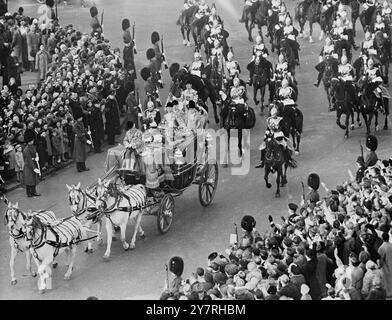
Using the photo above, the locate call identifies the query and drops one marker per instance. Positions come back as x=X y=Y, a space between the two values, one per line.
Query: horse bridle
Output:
x=7 y=220
x=108 y=191
x=84 y=201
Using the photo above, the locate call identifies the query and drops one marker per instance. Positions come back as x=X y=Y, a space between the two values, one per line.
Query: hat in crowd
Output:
x=248 y=223
x=145 y=73
x=150 y=54
x=93 y=12
x=125 y=24
x=29 y=135
x=50 y=3
x=372 y=143
x=314 y=181
x=176 y=266
x=293 y=207
x=155 y=37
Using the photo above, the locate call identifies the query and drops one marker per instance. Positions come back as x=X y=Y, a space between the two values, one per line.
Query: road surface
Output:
x=196 y=231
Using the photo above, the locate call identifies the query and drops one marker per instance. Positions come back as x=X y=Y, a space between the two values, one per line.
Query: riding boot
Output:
x=261 y=164
x=319 y=77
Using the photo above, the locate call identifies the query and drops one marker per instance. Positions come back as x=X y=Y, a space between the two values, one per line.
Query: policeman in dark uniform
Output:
x=31 y=169
x=94 y=24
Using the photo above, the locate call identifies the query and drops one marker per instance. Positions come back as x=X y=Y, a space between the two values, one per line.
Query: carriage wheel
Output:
x=208 y=184
x=165 y=213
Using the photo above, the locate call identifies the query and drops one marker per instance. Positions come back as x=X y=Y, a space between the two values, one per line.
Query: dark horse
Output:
x=204 y=87
x=250 y=14
x=262 y=18
x=292 y=123
x=275 y=162
x=344 y=102
x=287 y=51
x=369 y=104
x=185 y=22
x=330 y=71
x=308 y=12
x=262 y=74
x=368 y=17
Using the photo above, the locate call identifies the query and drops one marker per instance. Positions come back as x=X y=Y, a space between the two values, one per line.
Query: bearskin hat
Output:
x=50 y=3
x=145 y=73
x=314 y=181
x=173 y=69
x=29 y=135
x=150 y=54
x=176 y=265
x=248 y=223
x=93 y=12
x=372 y=143
x=155 y=37
x=125 y=24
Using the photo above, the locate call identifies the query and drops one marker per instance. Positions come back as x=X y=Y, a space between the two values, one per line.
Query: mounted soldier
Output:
x=248 y=5
x=327 y=51
x=346 y=74
x=374 y=80
x=274 y=129
x=286 y=94
x=238 y=92
x=379 y=25
x=197 y=66
x=367 y=47
x=232 y=66
x=204 y=10
x=290 y=35
x=189 y=94
x=369 y=7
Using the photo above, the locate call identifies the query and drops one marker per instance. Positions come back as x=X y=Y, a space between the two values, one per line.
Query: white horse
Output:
x=82 y=207
x=46 y=241
x=15 y=220
x=119 y=204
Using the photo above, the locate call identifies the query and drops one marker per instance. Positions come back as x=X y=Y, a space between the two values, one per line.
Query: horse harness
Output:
x=12 y=234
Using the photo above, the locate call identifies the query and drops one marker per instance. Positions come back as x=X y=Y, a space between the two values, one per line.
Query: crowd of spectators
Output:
x=335 y=248
x=75 y=71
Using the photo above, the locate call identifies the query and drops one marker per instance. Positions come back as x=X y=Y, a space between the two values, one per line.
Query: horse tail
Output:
x=299 y=121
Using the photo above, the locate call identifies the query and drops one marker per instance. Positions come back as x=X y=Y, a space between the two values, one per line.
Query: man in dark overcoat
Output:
x=96 y=126
x=81 y=142
x=132 y=109
x=30 y=170
x=112 y=115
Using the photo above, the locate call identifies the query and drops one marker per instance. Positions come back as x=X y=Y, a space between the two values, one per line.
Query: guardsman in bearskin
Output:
x=313 y=185
x=159 y=56
x=248 y=224
x=154 y=67
x=197 y=67
x=150 y=87
x=327 y=51
x=176 y=267
x=371 y=157
x=31 y=169
x=94 y=24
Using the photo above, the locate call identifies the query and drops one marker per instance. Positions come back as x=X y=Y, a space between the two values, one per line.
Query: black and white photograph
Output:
x=220 y=150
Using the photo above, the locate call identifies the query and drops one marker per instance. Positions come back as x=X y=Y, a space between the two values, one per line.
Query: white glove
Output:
x=36 y=171
x=88 y=142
